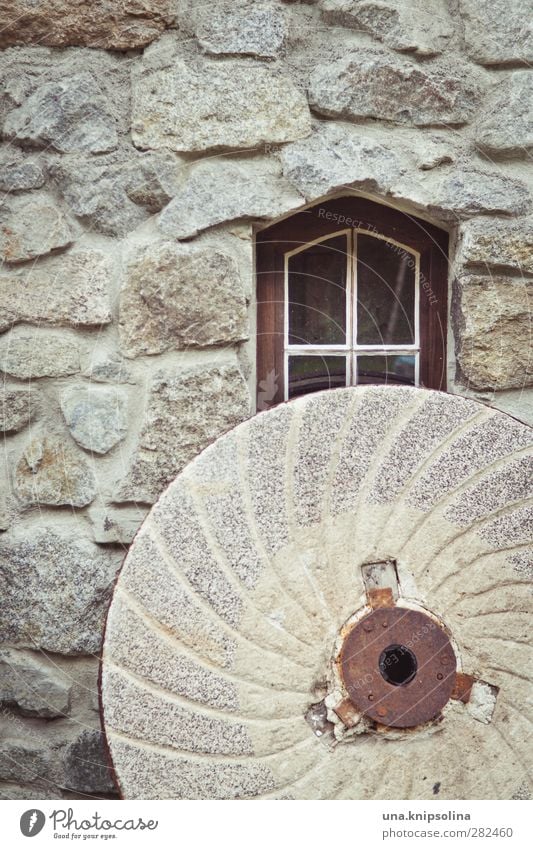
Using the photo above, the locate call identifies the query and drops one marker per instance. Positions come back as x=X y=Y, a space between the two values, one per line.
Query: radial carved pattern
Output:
x=227 y=610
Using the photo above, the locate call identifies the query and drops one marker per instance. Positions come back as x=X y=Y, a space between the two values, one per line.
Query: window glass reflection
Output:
x=317 y=294
x=385 y=293
x=314 y=373
x=383 y=368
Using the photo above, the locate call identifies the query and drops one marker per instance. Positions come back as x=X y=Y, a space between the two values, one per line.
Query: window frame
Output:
x=335 y=217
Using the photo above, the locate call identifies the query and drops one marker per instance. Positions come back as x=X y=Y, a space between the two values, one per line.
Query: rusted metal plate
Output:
x=380 y=597
x=348 y=713
x=462 y=687
x=398 y=667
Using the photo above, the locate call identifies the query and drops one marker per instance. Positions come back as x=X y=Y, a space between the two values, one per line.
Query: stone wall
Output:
x=141 y=143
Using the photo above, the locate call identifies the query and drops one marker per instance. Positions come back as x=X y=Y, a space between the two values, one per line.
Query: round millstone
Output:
x=225 y=624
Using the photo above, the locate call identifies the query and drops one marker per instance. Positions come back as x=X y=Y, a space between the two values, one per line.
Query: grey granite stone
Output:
x=208 y=105
x=404 y=25
x=374 y=84
x=68 y=115
x=96 y=416
x=498 y=32
x=86 y=767
x=500 y=242
x=56 y=592
x=32 y=686
x=468 y=191
x=240 y=28
x=186 y=410
x=18 y=407
x=504 y=127
x=72 y=290
x=38 y=354
x=181 y=297
x=51 y=472
x=257 y=191
x=31 y=226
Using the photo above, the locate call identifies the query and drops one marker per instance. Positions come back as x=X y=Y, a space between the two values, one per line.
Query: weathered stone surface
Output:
x=497 y=243
x=121 y=25
x=114 y=194
x=340 y=155
x=404 y=25
x=108 y=370
x=498 y=32
x=96 y=416
x=175 y=296
x=32 y=686
x=372 y=84
x=17 y=408
x=68 y=115
x=505 y=124
x=71 y=290
x=31 y=226
x=40 y=353
x=242 y=27
x=85 y=764
x=55 y=593
x=493 y=331
x=50 y=472
x=19 y=173
x=185 y=412
x=115 y=526
x=24 y=760
x=471 y=192
x=257 y=191
x=215 y=106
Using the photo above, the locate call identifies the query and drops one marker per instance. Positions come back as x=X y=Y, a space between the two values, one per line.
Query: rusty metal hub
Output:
x=398 y=667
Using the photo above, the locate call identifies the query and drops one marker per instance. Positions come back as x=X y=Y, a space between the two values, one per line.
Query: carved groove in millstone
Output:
x=220 y=634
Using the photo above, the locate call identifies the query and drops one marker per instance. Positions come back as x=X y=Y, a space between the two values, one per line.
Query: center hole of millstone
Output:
x=397 y=665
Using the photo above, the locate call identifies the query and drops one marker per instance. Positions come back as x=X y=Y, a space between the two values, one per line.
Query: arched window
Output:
x=350 y=291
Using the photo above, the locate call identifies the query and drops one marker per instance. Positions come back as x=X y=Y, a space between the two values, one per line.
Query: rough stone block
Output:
x=257 y=191
x=185 y=412
x=38 y=354
x=404 y=25
x=24 y=760
x=96 y=416
x=18 y=407
x=493 y=331
x=180 y=297
x=115 y=526
x=117 y=192
x=214 y=106
x=19 y=173
x=242 y=27
x=67 y=115
x=33 y=687
x=55 y=593
x=498 y=32
x=86 y=766
x=52 y=473
x=32 y=226
x=467 y=191
x=71 y=290
x=497 y=243
x=339 y=155
x=373 y=84
x=122 y=25
x=505 y=125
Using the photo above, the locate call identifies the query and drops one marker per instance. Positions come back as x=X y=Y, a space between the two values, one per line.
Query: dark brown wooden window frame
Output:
x=328 y=218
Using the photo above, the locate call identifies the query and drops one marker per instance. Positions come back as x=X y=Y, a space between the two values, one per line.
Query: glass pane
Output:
x=317 y=294
x=397 y=368
x=311 y=374
x=385 y=293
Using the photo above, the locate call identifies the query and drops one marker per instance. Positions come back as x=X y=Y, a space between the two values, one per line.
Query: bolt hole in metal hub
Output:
x=397 y=665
